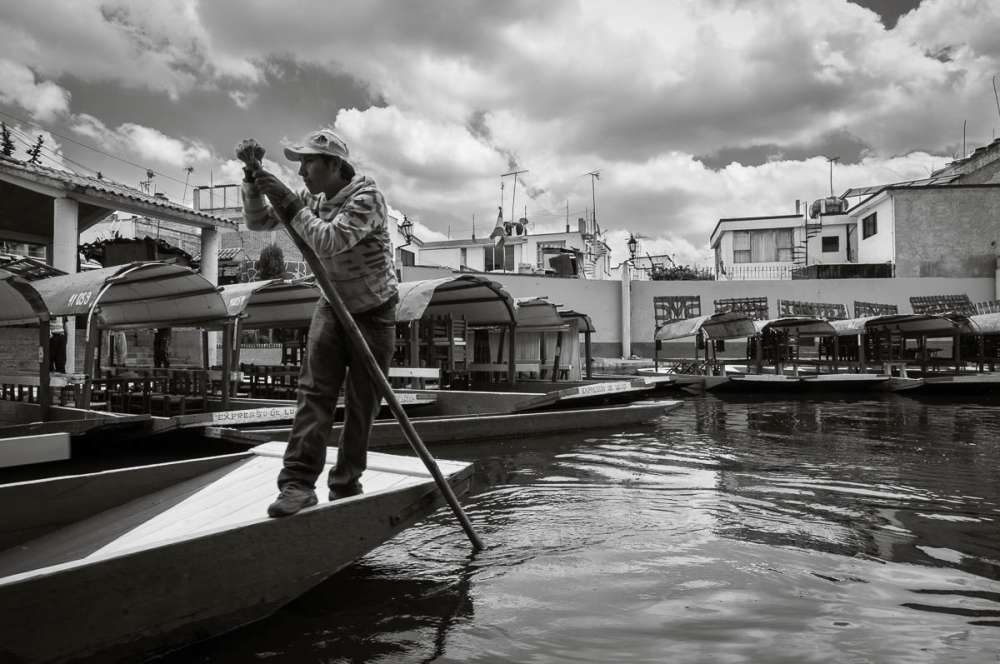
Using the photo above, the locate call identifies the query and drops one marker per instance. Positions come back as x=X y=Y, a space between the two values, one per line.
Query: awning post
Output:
x=44 y=360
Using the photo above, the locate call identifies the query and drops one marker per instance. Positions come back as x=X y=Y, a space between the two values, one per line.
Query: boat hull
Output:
x=984 y=383
x=150 y=600
x=813 y=384
x=482 y=427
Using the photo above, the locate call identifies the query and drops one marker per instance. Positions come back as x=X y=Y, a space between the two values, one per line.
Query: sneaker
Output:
x=352 y=489
x=291 y=499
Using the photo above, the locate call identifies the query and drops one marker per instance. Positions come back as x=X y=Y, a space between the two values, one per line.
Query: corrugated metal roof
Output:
x=102 y=187
x=448 y=244
x=224 y=254
x=925 y=182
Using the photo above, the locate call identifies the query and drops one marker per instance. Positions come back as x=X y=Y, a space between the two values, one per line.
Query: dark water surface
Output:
x=730 y=531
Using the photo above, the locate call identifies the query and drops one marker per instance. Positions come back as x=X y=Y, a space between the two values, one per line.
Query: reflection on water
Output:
x=730 y=531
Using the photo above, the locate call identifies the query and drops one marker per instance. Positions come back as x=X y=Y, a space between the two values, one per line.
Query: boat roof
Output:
x=272 y=303
x=586 y=323
x=917 y=323
x=720 y=325
x=853 y=326
x=141 y=294
x=481 y=301
x=800 y=325
x=537 y=314
x=984 y=323
x=19 y=301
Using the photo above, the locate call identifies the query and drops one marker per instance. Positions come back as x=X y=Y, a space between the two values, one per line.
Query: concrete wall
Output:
x=602 y=299
x=843 y=291
x=946 y=232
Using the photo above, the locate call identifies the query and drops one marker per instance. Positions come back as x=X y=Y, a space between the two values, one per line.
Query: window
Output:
x=831 y=243
x=741 y=246
x=498 y=258
x=784 y=239
x=763 y=246
x=542 y=261
x=463 y=258
x=407 y=258
x=869 y=225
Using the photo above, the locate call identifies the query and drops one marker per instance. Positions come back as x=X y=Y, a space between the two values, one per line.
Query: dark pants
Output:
x=57 y=353
x=330 y=357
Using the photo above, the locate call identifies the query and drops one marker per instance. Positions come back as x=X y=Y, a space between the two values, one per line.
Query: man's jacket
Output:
x=349 y=233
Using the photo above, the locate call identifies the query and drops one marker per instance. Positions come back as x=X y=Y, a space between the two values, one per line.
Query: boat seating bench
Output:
x=562 y=373
x=168 y=405
x=415 y=377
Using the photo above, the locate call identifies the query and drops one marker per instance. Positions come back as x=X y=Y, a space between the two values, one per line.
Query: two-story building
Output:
x=757 y=247
x=568 y=253
x=946 y=225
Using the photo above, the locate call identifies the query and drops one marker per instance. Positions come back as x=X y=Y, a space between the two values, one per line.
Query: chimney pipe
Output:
x=798 y=204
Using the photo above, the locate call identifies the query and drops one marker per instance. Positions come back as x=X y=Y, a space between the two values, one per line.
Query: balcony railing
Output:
x=846 y=271
x=739 y=272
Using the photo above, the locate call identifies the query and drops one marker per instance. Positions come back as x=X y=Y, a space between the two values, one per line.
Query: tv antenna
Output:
x=513 y=195
x=594 y=176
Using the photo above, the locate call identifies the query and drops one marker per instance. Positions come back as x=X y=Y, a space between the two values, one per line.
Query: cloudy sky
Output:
x=691 y=110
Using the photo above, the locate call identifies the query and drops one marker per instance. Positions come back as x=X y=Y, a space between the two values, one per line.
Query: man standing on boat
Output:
x=342 y=216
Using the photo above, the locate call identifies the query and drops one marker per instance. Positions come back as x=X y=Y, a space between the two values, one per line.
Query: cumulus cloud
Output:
x=146 y=143
x=692 y=111
x=161 y=46
x=44 y=100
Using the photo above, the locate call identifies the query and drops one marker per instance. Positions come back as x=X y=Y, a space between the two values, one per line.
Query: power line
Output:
x=62 y=158
x=90 y=147
x=29 y=143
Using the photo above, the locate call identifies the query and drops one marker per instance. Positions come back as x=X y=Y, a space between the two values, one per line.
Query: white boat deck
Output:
x=232 y=496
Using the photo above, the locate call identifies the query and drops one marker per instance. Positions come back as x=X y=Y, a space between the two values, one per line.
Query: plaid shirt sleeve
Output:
x=334 y=231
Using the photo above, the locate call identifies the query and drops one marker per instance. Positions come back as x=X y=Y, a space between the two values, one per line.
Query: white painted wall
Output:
x=734 y=269
x=819 y=257
x=601 y=299
x=879 y=248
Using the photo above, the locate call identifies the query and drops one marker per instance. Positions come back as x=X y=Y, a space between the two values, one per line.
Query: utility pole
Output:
x=594 y=175
x=513 y=195
x=830 y=160
x=187 y=175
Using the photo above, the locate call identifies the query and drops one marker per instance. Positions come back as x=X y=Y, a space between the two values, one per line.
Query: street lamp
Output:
x=407 y=228
x=633 y=245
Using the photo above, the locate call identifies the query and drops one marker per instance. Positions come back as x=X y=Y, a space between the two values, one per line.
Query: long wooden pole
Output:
x=371 y=364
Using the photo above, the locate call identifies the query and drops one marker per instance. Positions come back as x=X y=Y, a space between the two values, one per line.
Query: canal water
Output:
x=732 y=530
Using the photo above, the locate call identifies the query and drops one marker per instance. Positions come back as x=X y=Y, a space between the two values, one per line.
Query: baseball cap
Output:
x=324 y=141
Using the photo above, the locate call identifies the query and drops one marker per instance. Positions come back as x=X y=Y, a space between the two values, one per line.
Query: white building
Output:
x=770 y=247
x=540 y=253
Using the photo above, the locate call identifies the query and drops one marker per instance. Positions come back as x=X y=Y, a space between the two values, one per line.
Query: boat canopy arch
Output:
x=20 y=303
x=586 y=325
x=721 y=325
x=481 y=301
x=917 y=324
x=802 y=326
x=272 y=303
x=984 y=323
x=853 y=326
x=135 y=295
x=538 y=314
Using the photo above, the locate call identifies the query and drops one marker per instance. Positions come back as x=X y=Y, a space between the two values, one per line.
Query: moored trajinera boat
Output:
x=134 y=561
